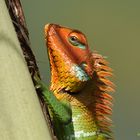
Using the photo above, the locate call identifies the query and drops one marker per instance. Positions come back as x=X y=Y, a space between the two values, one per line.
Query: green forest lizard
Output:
x=78 y=99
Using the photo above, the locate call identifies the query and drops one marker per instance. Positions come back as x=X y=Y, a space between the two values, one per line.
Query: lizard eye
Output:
x=74 y=40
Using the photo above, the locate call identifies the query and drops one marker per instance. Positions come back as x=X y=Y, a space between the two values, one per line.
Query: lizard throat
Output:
x=66 y=76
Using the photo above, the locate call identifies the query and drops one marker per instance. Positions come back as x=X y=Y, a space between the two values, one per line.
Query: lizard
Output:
x=78 y=99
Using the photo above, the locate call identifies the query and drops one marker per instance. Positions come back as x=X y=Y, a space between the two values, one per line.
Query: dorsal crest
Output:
x=102 y=99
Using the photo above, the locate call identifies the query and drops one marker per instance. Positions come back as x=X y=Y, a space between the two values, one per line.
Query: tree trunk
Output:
x=21 y=117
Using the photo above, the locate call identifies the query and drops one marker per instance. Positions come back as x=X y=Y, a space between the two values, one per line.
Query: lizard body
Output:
x=79 y=82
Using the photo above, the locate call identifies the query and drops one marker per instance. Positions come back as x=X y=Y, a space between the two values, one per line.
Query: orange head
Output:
x=70 y=58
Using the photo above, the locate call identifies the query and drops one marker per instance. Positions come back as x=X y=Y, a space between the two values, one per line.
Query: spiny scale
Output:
x=80 y=77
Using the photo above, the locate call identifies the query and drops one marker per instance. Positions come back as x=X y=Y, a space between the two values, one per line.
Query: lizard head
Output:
x=70 y=58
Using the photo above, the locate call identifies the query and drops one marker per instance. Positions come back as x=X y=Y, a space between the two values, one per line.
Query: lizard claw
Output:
x=37 y=81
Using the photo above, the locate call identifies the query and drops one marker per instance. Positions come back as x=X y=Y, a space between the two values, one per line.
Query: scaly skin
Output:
x=79 y=78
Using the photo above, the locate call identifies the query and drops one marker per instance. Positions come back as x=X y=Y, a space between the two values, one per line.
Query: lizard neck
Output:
x=82 y=113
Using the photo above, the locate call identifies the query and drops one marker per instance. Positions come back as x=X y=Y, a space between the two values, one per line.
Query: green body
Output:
x=70 y=121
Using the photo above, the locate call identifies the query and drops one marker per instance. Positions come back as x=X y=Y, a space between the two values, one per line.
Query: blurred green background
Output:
x=113 y=29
